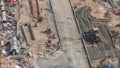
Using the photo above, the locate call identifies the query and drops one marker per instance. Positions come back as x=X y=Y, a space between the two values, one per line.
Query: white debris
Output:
x=17 y=66
x=4 y=52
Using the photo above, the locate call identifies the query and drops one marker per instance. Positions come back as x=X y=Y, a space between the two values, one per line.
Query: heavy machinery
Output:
x=113 y=8
x=92 y=36
x=12 y=0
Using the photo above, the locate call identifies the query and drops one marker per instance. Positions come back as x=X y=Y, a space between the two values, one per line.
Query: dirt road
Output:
x=73 y=54
x=69 y=33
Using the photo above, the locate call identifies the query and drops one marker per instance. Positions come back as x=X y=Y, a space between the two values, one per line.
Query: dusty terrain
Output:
x=36 y=48
x=72 y=47
x=98 y=11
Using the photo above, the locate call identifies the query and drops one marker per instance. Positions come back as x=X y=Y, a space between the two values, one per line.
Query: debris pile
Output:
x=25 y=34
x=11 y=41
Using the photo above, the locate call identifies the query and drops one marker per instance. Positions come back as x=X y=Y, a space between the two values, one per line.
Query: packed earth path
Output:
x=73 y=55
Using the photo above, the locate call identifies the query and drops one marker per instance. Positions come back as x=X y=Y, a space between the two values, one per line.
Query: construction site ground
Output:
x=73 y=55
x=89 y=12
x=37 y=48
x=36 y=17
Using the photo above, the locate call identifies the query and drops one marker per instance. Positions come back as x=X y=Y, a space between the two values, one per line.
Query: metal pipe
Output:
x=37 y=3
x=25 y=35
x=112 y=3
x=31 y=32
x=3 y=11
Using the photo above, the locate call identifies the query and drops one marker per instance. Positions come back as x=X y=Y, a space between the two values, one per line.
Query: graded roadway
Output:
x=73 y=55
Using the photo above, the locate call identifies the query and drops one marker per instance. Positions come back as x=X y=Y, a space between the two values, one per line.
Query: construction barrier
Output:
x=54 y=19
x=80 y=32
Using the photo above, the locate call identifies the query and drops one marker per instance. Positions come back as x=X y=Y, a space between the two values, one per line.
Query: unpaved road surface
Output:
x=73 y=55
